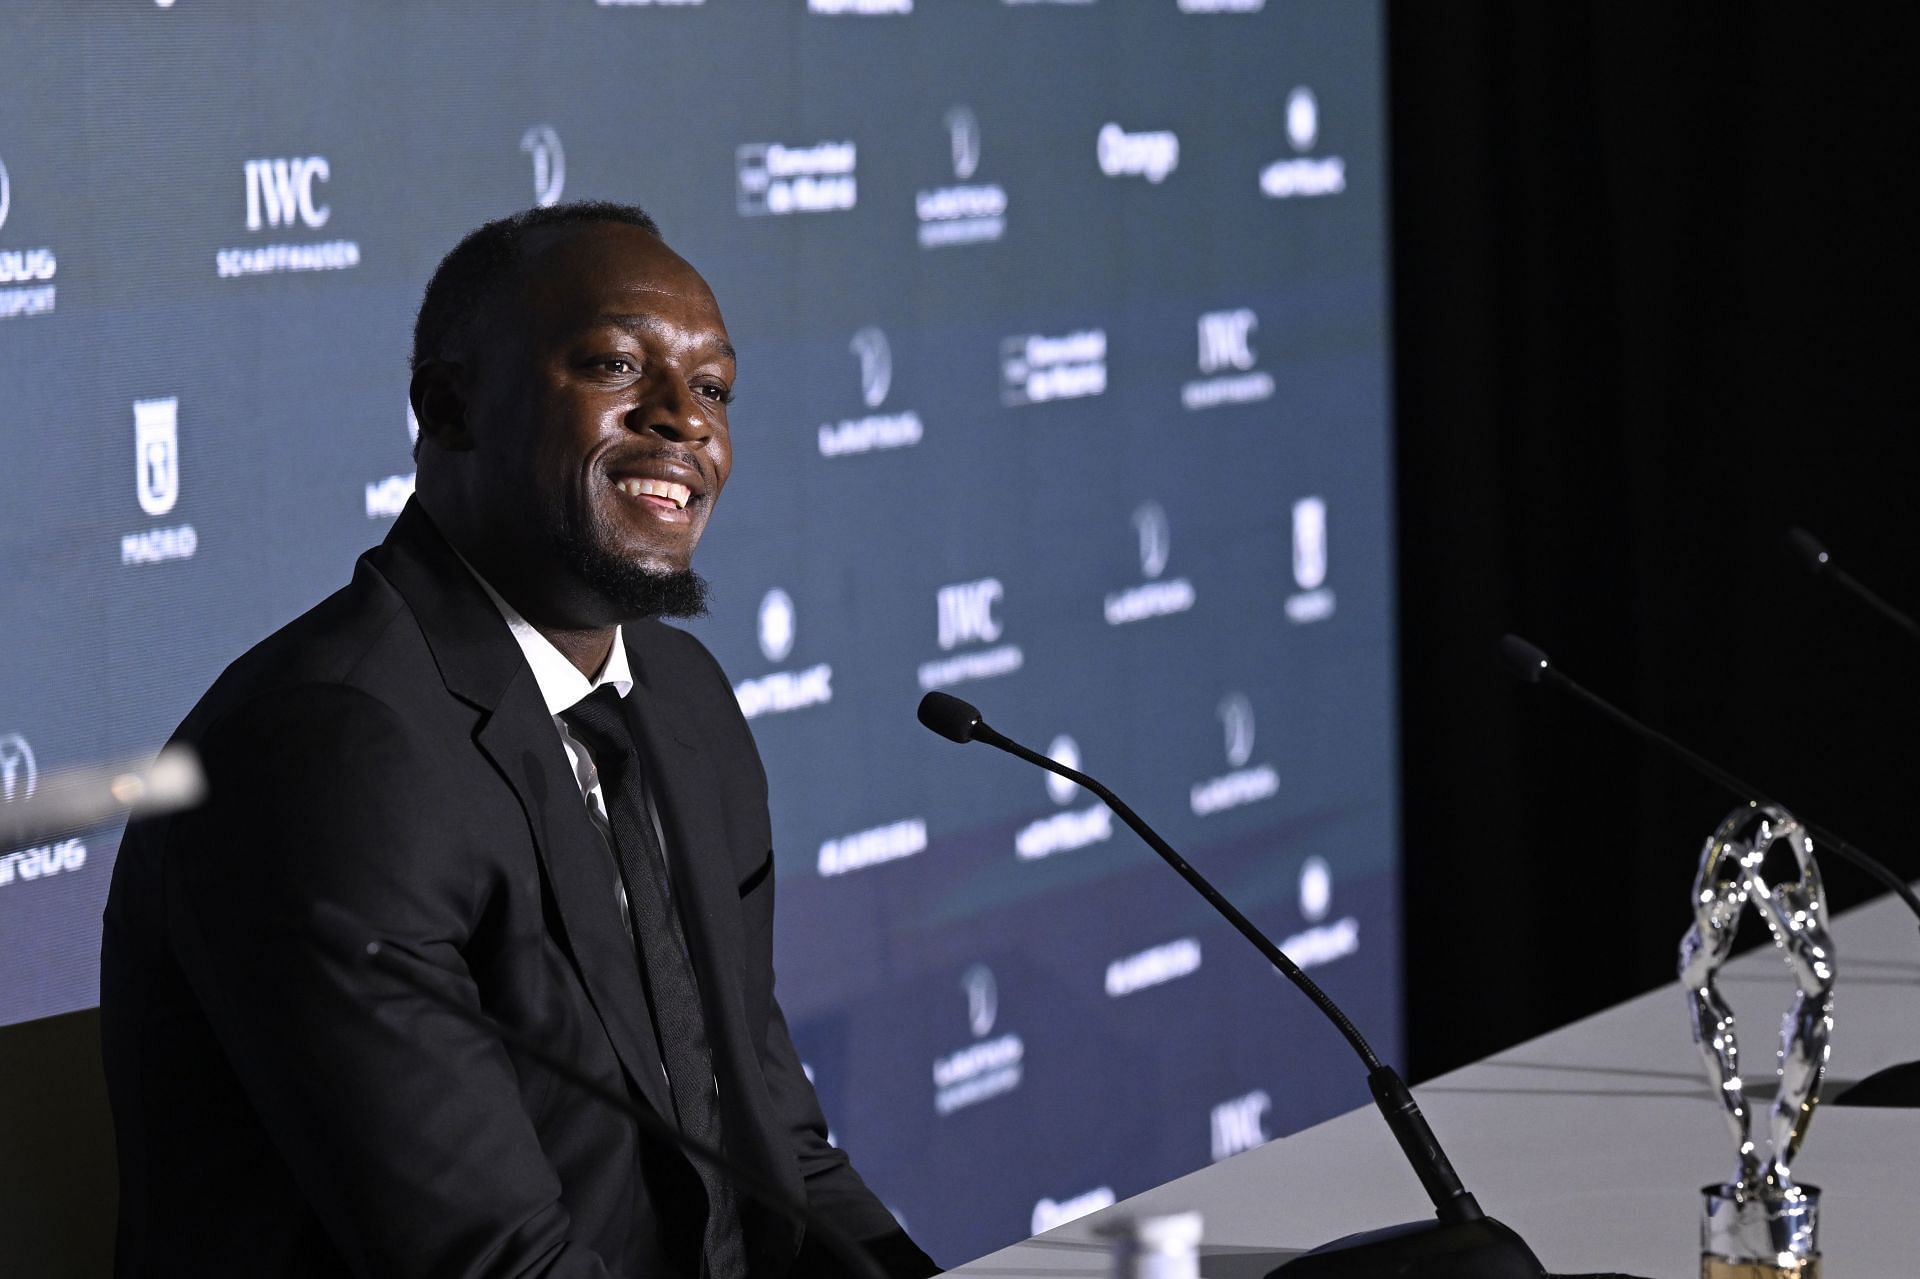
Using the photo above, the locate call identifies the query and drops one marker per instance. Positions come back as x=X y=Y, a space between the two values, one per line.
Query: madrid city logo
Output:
x=963 y=211
x=1155 y=597
x=1071 y=828
x=18 y=772
x=1227 y=358
x=24 y=273
x=156 y=484
x=774 y=179
x=542 y=144
x=285 y=194
x=1244 y=782
x=1302 y=175
x=989 y=1066
x=782 y=690
x=1313 y=601
x=874 y=431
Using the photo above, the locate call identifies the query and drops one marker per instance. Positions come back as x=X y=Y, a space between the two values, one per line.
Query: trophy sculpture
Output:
x=1763 y=1223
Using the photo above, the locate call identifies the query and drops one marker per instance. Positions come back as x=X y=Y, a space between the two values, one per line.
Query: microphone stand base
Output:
x=1482 y=1249
x=1894 y=1086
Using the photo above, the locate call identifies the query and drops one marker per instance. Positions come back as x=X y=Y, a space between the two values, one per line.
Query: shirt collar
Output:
x=562 y=686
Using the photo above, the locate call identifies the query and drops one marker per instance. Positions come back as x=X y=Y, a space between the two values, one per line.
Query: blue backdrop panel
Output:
x=1063 y=386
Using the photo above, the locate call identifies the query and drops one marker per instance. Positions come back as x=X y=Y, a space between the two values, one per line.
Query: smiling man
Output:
x=489 y=750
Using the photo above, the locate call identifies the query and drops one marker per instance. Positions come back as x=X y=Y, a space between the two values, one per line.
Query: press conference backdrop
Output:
x=1062 y=386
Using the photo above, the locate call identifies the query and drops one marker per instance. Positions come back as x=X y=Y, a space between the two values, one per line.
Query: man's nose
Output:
x=670 y=408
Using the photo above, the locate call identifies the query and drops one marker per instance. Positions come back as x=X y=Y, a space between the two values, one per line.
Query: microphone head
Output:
x=1807 y=547
x=1524 y=660
x=950 y=717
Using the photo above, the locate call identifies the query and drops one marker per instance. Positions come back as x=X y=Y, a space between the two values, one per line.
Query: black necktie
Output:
x=599 y=722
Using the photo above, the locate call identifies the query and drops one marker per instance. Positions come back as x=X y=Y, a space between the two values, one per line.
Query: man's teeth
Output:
x=678 y=494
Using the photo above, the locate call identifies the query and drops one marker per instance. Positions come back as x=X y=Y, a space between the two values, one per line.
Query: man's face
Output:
x=598 y=404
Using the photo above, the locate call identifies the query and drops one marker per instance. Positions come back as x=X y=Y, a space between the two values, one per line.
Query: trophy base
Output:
x=1750 y=1236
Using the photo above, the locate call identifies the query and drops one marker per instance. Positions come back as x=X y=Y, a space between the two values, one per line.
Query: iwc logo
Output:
x=1227 y=373
x=285 y=194
x=966 y=616
x=785 y=690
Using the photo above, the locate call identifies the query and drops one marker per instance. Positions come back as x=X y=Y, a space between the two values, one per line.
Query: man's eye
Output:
x=717 y=393
x=617 y=364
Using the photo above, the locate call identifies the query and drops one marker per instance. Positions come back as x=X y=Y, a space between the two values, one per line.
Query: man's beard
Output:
x=634 y=589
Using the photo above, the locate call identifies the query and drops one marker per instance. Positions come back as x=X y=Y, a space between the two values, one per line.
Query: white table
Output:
x=1592 y=1142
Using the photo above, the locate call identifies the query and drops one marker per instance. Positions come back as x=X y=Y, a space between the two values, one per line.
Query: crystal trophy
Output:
x=1763 y=1223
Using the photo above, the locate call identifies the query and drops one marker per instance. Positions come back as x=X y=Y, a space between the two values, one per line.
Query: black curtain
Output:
x=1652 y=289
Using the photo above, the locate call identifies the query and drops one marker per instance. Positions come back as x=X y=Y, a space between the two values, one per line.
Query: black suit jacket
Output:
x=283 y=1107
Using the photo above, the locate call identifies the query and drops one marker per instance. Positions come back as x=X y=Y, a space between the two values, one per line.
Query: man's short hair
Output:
x=466 y=277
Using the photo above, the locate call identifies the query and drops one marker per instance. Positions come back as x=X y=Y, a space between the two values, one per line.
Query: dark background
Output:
x=1653 y=289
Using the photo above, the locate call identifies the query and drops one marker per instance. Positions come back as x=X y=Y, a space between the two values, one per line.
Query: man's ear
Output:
x=438 y=395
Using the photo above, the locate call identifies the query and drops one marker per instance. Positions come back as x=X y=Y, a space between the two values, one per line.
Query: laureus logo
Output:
x=6 y=193
x=1236 y=717
x=776 y=625
x=1156 y=538
x=18 y=772
x=549 y=164
x=963 y=133
x=156 y=449
x=876 y=365
x=983 y=1000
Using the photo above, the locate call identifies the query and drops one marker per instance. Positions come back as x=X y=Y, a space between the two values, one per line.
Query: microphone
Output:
x=1530 y=665
x=1814 y=556
x=79 y=798
x=1464 y=1243
x=1892 y=1086
x=344 y=931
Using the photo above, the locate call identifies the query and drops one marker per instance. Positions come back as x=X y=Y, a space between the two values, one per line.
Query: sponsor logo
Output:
x=1049 y=1213
x=549 y=164
x=781 y=691
x=43 y=860
x=1314 y=600
x=873 y=847
x=1243 y=785
x=963 y=212
x=23 y=272
x=965 y=616
x=1226 y=362
x=772 y=179
x=283 y=194
x=156 y=466
x=1151 y=155
x=1222 y=6
x=385 y=498
x=1155 y=966
x=19 y=774
x=647 y=4
x=986 y=1068
x=1153 y=598
x=1303 y=175
x=1063 y=832
x=1321 y=942
x=1240 y=1124
x=860 y=8
x=874 y=431
x=1035 y=368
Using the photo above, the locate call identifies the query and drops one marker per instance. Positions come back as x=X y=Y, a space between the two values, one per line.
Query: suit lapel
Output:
x=482 y=665
x=686 y=793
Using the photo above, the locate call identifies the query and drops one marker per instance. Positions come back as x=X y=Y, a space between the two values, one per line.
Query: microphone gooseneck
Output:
x=1451 y=1200
x=1530 y=665
x=1814 y=556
